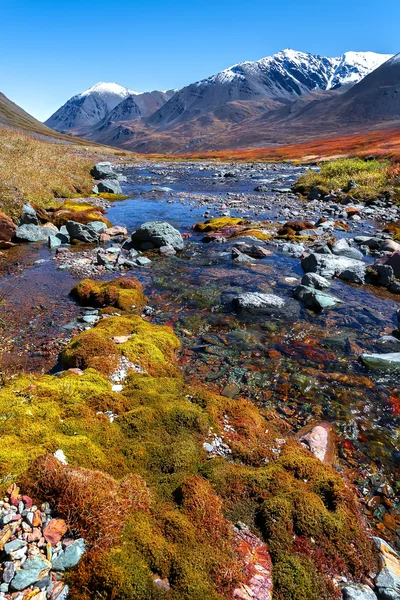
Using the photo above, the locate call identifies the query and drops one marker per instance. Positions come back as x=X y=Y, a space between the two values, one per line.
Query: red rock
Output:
x=27 y=501
x=6 y=245
x=54 y=531
x=257 y=561
x=351 y=211
x=37 y=519
x=13 y=492
x=7 y=228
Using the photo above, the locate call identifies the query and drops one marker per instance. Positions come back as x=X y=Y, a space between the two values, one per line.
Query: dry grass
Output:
x=41 y=171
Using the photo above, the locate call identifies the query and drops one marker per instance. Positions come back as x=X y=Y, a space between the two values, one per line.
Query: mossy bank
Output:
x=142 y=489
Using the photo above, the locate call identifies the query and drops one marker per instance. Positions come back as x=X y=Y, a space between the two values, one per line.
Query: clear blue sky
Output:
x=53 y=49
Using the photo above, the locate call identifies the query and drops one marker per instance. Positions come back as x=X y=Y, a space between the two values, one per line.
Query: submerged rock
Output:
x=316 y=281
x=315 y=299
x=387 y=362
x=158 y=233
x=319 y=440
x=256 y=301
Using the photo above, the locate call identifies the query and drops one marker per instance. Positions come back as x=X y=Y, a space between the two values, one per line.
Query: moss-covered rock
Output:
x=125 y=293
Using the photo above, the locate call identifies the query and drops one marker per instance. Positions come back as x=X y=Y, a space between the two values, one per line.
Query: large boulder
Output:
x=110 y=186
x=35 y=233
x=103 y=170
x=29 y=215
x=329 y=265
x=394 y=261
x=89 y=233
x=157 y=233
x=7 y=228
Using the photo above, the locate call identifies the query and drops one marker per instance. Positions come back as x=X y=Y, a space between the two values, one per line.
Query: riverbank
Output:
x=294 y=366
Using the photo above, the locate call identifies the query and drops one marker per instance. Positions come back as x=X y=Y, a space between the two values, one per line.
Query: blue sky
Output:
x=51 y=50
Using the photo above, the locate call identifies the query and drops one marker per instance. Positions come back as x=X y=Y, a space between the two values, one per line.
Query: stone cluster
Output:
x=36 y=548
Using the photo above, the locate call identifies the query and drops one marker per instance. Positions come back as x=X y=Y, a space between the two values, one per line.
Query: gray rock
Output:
x=32 y=569
x=314 y=193
x=358 y=592
x=343 y=248
x=142 y=261
x=109 y=186
x=315 y=299
x=242 y=259
x=29 y=216
x=167 y=250
x=53 y=241
x=158 y=233
x=316 y=281
x=253 y=250
x=387 y=582
x=381 y=275
x=34 y=233
x=89 y=233
x=293 y=249
x=256 y=301
x=394 y=287
x=103 y=170
x=387 y=362
x=330 y=265
x=70 y=557
x=9 y=571
x=355 y=273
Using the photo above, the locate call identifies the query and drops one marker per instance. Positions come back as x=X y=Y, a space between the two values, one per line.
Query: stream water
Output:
x=303 y=364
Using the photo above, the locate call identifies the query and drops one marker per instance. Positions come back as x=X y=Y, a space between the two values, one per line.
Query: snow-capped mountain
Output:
x=282 y=77
x=86 y=110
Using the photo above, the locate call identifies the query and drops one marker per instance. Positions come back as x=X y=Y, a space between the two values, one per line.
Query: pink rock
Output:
x=75 y=370
x=54 y=531
x=116 y=230
x=35 y=535
x=27 y=501
x=319 y=439
x=104 y=238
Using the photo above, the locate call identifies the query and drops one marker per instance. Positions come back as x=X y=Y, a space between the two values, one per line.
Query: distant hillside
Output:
x=14 y=117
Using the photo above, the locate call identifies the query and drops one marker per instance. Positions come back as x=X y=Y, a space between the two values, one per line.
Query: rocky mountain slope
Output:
x=373 y=103
x=222 y=111
x=86 y=110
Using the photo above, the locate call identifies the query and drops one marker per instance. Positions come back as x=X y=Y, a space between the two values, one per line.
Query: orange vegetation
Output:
x=381 y=143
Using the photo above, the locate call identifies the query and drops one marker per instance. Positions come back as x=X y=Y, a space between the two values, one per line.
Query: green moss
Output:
x=216 y=224
x=110 y=197
x=125 y=293
x=295 y=578
x=81 y=212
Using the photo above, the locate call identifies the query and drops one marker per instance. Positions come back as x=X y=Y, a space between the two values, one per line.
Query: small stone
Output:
x=33 y=569
x=70 y=557
x=54 y=531
x=231 y=390
x=60 y=456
